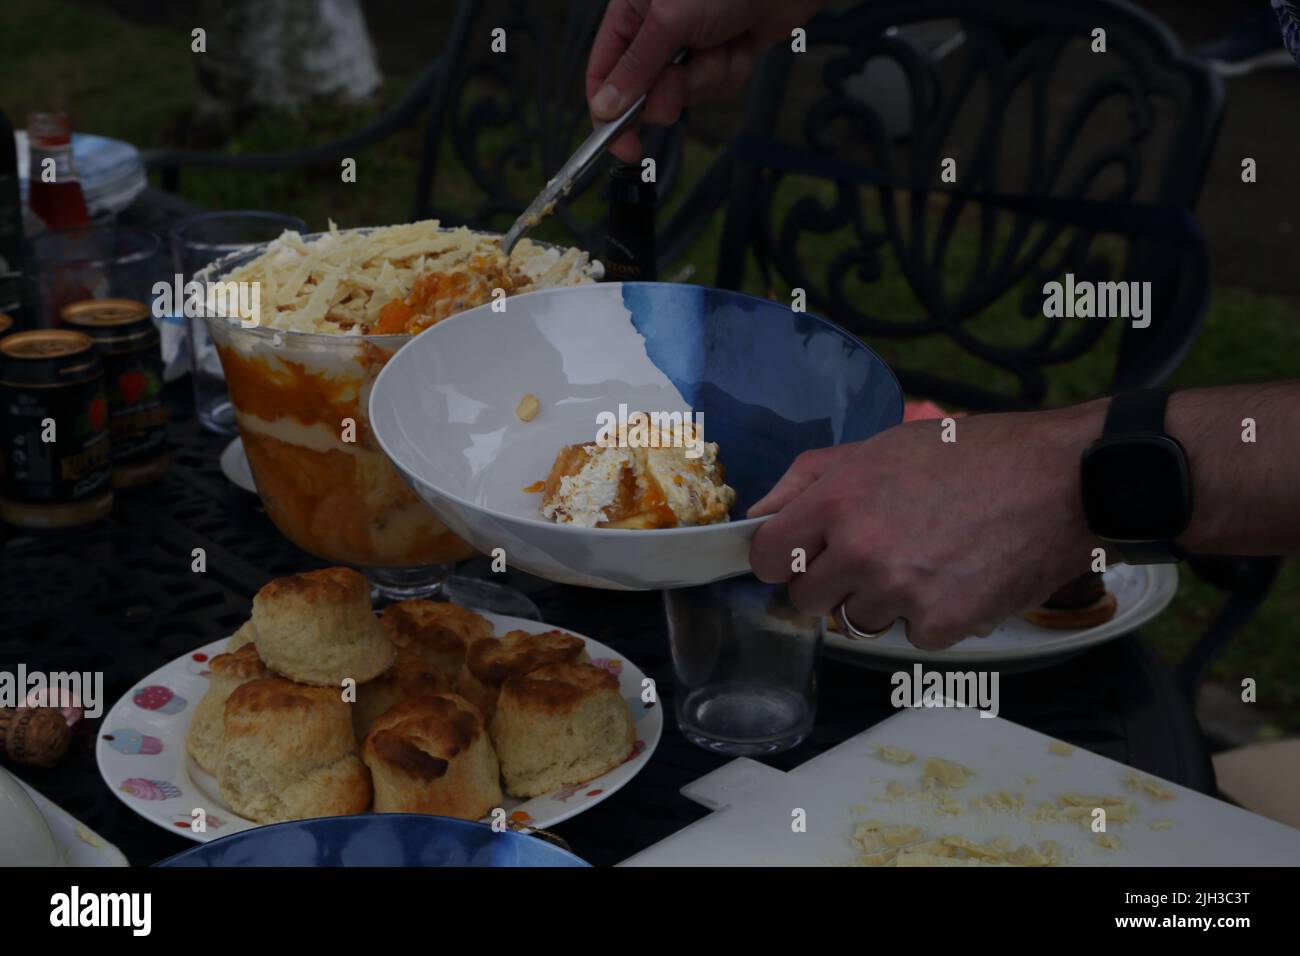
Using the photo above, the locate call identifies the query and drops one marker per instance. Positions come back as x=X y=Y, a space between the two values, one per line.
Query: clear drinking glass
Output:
x=95 y=262
x=745 y=661
x=195 y=242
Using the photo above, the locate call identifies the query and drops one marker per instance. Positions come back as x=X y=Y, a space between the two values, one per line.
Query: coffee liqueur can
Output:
x=56 y=470
x=127 y=342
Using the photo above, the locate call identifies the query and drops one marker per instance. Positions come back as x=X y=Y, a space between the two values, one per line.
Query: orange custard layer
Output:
x=340 y=500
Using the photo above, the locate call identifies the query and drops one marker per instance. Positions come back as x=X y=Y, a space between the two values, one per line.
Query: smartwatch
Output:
x=1137 y=489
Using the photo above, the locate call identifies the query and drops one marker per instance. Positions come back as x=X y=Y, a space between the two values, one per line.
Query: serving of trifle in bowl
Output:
x=332 y=309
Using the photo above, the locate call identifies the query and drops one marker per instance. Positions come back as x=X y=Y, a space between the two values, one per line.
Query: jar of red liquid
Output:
x=54 y=191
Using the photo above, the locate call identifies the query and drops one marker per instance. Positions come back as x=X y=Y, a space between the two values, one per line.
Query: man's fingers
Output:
x=648 y=51
x=932 y=640
x=620 y=24
x=871 y=612
x=627 y=147
x=719 y=71
x=667 y=97
x=826 y=583
x=771 y=553
x=706 y=73
x=807 y=468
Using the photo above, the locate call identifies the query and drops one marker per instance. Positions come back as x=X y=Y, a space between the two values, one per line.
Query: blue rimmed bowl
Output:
x=376 y=839
x=769 y=381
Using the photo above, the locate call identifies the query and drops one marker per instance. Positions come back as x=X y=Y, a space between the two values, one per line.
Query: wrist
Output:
x=1065 y=435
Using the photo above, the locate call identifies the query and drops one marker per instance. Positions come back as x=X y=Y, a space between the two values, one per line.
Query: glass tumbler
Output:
x=745 y=662
x=95 y=262
x=196 y=241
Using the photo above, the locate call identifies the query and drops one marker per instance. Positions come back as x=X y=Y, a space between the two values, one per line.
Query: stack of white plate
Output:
x=112 y=172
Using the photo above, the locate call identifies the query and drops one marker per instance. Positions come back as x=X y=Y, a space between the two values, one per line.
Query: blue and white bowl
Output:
x=769 y=381
x=376 y=839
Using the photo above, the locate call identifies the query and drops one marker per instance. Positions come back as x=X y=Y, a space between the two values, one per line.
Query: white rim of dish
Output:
x=1161 y=584
x=231 y=457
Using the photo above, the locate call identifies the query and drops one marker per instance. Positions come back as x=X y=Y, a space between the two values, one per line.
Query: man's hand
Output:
x=952 y=536
x=637 y=38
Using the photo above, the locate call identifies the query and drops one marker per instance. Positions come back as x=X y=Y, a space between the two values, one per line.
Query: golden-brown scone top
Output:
x=557 y=687
x=406 y=679
x=322 y=586
x=242 y=664
x=420 y=736
x=491 y=661
x=560 y=725
x=432 y=755
x=415 y=678
x=317 y=627
x=435 y=630
x=494 y=660
x=273 y=695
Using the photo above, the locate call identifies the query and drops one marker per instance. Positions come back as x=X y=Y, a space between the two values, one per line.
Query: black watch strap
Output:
x=1148 y=552
x=1141 y=411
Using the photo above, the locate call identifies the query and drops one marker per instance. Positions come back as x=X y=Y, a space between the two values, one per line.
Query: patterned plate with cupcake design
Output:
x=142 y=757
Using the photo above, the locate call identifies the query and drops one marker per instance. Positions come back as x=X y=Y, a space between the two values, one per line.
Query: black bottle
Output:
x=629 y=254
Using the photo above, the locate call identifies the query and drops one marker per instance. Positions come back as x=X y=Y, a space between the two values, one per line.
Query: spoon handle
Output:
x=582 y=160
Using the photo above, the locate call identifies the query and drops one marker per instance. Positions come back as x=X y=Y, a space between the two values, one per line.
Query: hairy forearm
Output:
x=1245 y=494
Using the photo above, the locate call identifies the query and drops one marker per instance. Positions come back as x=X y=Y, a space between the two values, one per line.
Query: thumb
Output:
x=644 y=60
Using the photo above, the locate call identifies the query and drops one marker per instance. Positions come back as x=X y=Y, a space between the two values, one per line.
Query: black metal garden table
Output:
x=121 y=598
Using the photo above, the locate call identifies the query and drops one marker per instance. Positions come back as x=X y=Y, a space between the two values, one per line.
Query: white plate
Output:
x=145 y=763
x=1141 y=592
x=25 y=838
x=78 y=845
x=234 y=465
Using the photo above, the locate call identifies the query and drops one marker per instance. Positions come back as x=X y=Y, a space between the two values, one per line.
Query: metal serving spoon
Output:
x=578 y=163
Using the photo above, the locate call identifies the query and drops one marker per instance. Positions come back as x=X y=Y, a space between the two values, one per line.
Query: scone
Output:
x=229 y=671
x=558 y=726
x=491 y=661
x=243 y=636
x=289 y=753
x=317 y=628
x=434 y=630
x=402 y=681
x=433 y=755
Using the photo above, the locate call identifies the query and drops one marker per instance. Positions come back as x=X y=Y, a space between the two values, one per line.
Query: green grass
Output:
x=135 y=83
x=113 y=77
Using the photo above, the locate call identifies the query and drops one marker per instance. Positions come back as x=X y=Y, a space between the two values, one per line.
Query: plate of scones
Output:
x=319 y=707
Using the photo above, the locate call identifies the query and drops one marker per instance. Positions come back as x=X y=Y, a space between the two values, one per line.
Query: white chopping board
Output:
x=755 y=805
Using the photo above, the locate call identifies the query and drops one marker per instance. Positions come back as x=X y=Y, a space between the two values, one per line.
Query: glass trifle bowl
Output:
x=300 y=373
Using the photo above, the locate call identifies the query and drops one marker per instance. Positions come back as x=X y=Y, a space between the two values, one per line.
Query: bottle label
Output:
x=71 y=468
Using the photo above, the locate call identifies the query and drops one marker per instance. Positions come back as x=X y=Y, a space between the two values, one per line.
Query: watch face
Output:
x=1136 y=488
